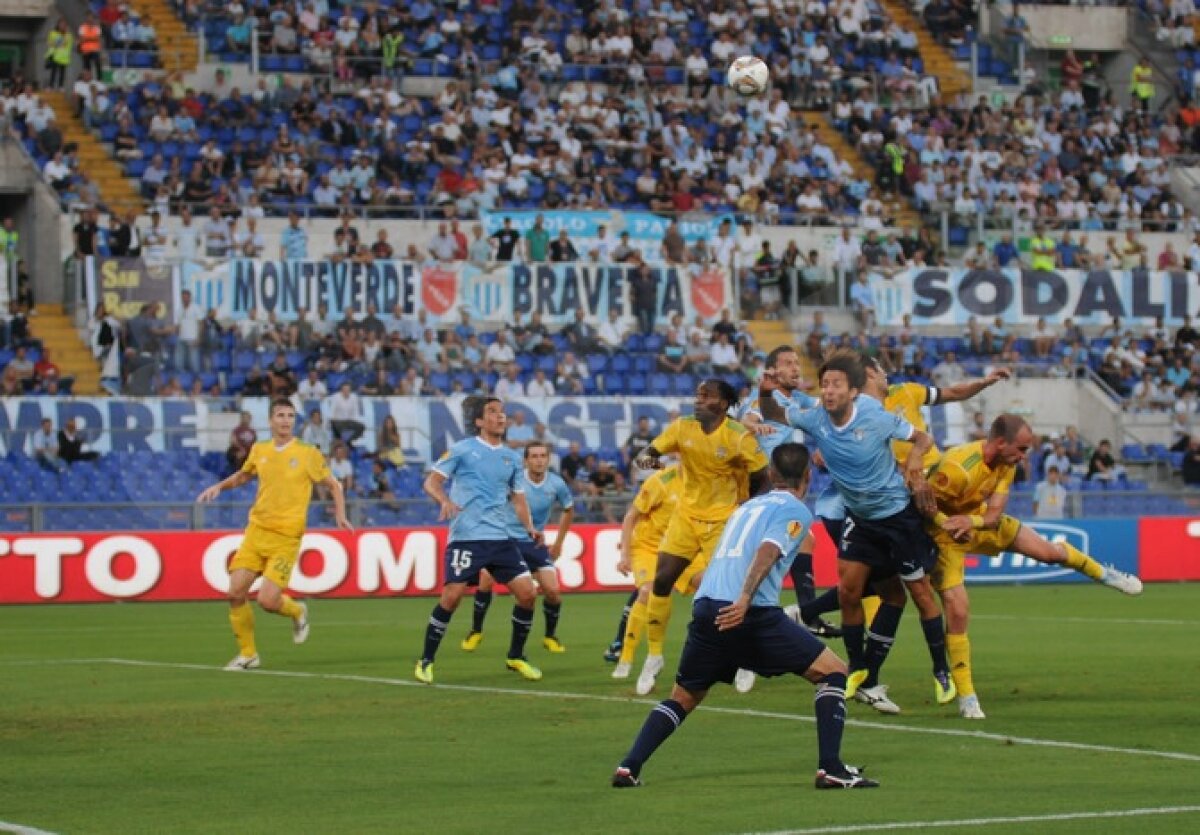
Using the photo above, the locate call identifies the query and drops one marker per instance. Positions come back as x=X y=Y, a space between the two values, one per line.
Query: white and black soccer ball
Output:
x=748 y=76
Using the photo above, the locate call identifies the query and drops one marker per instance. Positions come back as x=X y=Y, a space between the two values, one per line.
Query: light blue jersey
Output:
x=541 y=498
x=482 y=476
x=783 y=433
x=777 y=517
x=859 y=455
x=830 y=505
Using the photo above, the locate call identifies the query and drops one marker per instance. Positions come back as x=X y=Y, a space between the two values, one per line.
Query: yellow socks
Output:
x=290 y=608
x=658 y=615
x=633 y=631
x=242 y=620
x=958 y=648
x=870 y=607
x=1082 y=563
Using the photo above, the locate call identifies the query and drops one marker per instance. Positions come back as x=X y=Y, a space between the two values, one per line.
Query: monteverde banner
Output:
x=492 y=295
x=1093 y=297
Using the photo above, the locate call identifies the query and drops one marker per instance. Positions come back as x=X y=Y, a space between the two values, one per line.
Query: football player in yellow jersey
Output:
x=712 y=448
x=641 y=532
x=286 y=469
x=970 y=484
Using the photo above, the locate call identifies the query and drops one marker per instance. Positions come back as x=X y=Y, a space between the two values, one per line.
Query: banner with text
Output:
x=645 y=229
x=162 y=566
x=493 y=296
x=428 y=426
x=953 y=296
x=125 y=284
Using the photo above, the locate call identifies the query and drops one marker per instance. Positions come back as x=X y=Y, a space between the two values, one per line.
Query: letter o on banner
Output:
x=215 y=562
x=98 y=565
x=335 y=565
x=986 y=292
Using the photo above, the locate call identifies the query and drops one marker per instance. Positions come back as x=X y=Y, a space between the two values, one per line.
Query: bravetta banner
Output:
x=125 y=284
x=492 y=295
x=952 y=297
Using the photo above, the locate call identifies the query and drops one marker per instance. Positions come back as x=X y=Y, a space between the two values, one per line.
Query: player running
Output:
x=884 y=532
x=715 y=455
x=737 y=623
x=286 y=469
x=642 y=531
x=970 y=485
x=542 y=490
x=486 y=479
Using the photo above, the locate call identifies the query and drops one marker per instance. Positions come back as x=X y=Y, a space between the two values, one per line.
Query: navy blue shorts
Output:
x=833 y=527
x=536 y=557
x=767 y=642
x=464 y=560
x=895 y=545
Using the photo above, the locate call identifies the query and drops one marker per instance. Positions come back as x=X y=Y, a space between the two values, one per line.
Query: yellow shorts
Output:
x=952 y=556
x=644 y=565
x=270 y=554
x=693 y=540
x=690 y=579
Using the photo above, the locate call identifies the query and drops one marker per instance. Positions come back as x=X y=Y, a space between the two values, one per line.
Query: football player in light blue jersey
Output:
x=884 y=534
x=783 y=365
x=486 y=479
x=543 y=489
x=737 y=623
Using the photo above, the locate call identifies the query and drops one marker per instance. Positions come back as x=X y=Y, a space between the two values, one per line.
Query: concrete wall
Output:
x=1049 y=405
x=1101 y=28
x=26 y=8
x=38 y=218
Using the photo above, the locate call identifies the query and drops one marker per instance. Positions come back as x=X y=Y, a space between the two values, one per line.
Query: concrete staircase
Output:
x=177 y=47
x=73 y=358
x=953 y=80
x=900 y=213
x=116 y=190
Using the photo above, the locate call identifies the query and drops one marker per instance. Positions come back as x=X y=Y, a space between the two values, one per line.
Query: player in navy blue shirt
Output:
x=485 y=480
x=884 y=533
x=737 y=623
x=543 y=489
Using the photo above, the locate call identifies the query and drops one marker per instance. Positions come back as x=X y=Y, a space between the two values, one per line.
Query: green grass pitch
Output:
x=351 y=744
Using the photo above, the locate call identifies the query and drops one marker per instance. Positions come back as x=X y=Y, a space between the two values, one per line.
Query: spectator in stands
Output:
x=312 y=387
x=561 y=248
x=1050 y=497
x=1191 y=464
x=509 y=386
x=506 y=239
x=862 y=302
x=442 y=246
x=44 y=443
x=643 y=290
x=581 y=334
x=604 y=481
x=499 y=354
x=571 y=374
x=217 y=235
x=570 y=465
x=342 y=467
x=539 y=386
x=316 y=433
x=978 y=430
x=1057 y=458
x=91 y=44
x=519 y=433
x=72 y=446
x=948 y=371
x=387 y=444
x=241 y=439
x=346 y=415
x=724 y=356
x=537 y=241
x=611 y=334
x=1102 y=466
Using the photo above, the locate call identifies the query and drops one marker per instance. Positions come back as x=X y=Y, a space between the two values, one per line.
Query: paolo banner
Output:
x=493 y=295
x=954 y=296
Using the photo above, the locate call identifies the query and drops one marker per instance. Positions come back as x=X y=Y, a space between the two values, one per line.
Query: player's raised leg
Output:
x=1032 y=544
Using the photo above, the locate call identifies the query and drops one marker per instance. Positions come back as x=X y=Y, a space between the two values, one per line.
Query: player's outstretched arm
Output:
x=339 y=502
x=232 y=483
x=434 y=486
x=969 y=388
x=732 y=615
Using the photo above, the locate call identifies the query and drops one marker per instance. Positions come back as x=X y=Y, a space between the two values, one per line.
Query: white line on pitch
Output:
x=730 y=711
x=17 y=829
x=940 y=824
x=1097 y=621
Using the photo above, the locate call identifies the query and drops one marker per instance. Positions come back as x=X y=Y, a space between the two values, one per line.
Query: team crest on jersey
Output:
x=293 y=463
x=859 y=434
x=794 y=529
x=722 y=452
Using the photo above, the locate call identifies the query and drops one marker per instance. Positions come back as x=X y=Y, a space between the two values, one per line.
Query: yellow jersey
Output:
x=285 y=480
x=963 y=483
x=710 y=463
x=656 y=501
x=906 y=400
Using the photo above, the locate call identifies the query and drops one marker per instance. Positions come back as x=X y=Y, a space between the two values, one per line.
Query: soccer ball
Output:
x=748 y=76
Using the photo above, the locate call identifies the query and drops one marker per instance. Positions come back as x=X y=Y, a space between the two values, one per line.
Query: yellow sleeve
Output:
x=650 y=496
x=1005 y=481
x=318 y=467
x=248 y=467
x=751 y=452
x=668 y=441
x=948 y=479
